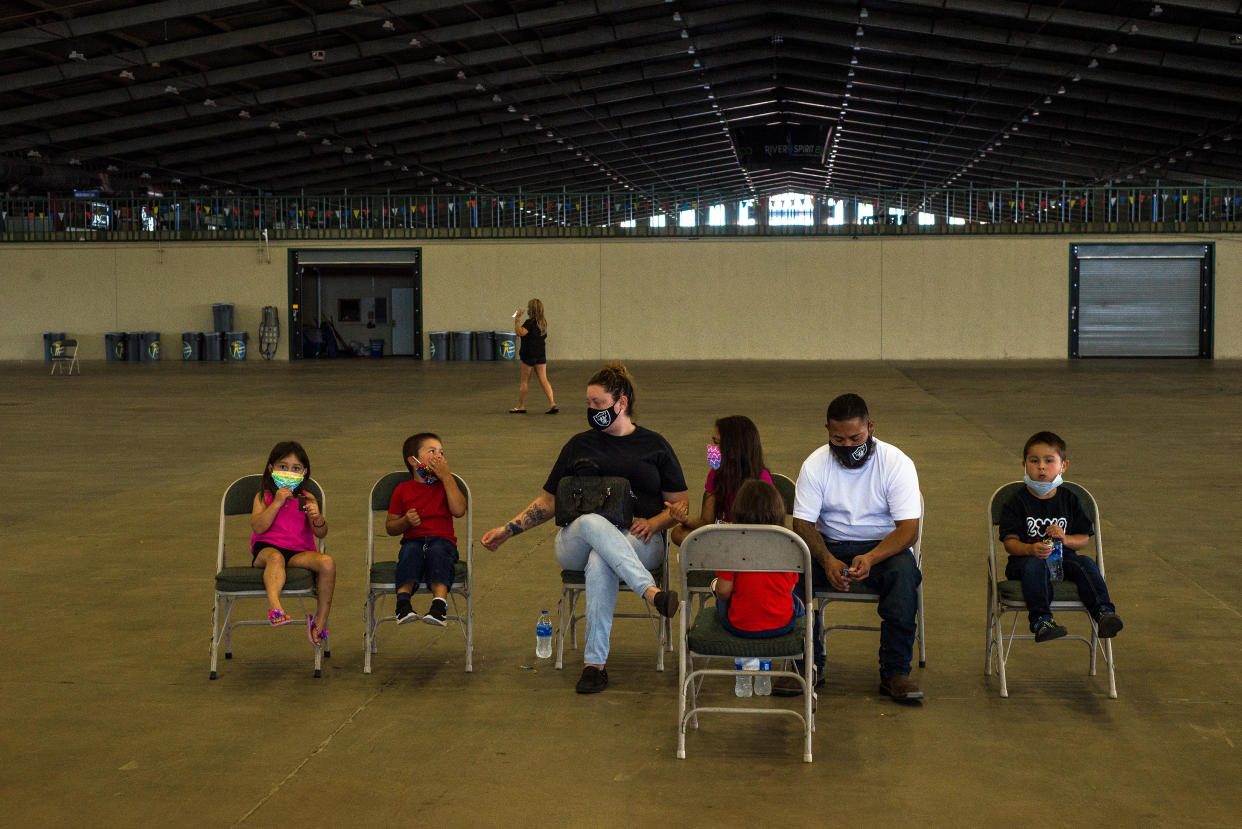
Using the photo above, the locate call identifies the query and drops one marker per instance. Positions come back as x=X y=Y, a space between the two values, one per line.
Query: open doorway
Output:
x=355 y=302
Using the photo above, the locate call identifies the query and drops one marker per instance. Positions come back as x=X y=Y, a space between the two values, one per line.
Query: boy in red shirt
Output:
x=421 y=511
x=757 y=605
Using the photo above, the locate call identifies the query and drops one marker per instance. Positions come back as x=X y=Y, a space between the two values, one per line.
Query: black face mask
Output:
x=601 y=418
x=852 y=457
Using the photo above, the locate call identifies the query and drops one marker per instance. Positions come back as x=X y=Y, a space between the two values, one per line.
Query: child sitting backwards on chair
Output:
x=757 y=605
x=1041 y=511
x=422 y=512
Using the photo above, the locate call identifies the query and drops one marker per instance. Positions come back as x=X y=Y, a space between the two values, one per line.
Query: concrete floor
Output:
x=108 y=527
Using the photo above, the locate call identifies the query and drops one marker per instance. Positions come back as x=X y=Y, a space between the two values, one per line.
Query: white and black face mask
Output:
x=602 y=418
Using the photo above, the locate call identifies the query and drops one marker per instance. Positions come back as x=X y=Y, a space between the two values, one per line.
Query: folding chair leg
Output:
x=562 y=612
x=469 y=631
x=1112 y=679
x=368 y=631
x=922 y=635
x=215 y=634
x=319 y=655
x=1001 y=655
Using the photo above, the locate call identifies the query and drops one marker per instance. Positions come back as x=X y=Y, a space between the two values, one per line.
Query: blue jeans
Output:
x=1037 y=584
x=896 y=579
x=608 y=556
x=722 y=613
x=428 y=560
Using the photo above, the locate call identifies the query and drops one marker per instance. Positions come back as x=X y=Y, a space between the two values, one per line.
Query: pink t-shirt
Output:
x=290 y=531
x=722 y=509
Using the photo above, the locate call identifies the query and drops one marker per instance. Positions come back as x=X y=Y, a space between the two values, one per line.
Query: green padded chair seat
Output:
x=579 y=576
x=701 y=579
x=234 y=579
x=1062 y=591
x=708 y=636
x=385 y=572
x=857 y=588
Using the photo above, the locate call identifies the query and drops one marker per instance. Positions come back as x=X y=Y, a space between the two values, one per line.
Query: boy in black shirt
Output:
x=1044 y=511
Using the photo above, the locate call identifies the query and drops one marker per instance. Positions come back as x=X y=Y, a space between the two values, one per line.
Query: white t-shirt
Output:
x=858 y=504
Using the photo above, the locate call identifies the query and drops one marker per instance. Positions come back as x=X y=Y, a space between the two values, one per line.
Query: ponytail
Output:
x=615 y=379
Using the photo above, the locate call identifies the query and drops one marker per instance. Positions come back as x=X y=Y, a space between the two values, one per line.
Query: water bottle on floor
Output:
x=543 y=636
x=1056 y=565
x=763 y=682
x=742 y=686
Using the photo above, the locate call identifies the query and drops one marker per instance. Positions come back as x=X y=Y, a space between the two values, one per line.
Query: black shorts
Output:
x=259 y=545
x=532 y=362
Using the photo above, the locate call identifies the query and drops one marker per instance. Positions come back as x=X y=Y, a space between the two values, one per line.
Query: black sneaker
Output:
x=1108 y=625
x=1046 y=629
x=593 y=680
x=437 y=612
x=405 y=613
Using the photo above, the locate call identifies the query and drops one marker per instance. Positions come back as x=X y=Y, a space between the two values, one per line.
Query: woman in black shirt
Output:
x=607 y=554
x=533 y=354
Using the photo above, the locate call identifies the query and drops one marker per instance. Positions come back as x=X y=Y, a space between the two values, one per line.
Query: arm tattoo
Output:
x=514 y=528
x=533 y=516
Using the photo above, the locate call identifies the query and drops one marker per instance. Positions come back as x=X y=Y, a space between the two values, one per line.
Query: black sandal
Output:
x=517 y=411
x=552 y=410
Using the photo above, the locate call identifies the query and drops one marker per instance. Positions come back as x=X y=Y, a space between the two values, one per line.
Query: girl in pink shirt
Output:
x=285 y=527
x=734 y=455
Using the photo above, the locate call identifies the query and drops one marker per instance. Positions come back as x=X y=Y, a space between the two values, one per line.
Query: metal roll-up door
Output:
x=1140 y=300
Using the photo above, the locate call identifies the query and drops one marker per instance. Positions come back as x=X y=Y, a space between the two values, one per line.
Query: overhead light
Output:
x=538 y=125
x=853 y=61
x=1034 y=112
x=1047 y=99
x=525 y=117
x=1142 y=170
x=685 y=35
x=349 y=151
x=1093 y=64
x=274 y=125
x=549 y=133
x=33 y=154
x=1156 y=11
x=1076 y=78
x=1112 y=49
x=171 y=90
x=209 y=102
x=301 y=133
x=461 y=74
x=689 y=50
x=850 y=74
x=478 y=87
x=326 y=142
x=1207 y=145
x=416 y=43
x=406 y=169
x=676 y=17
x=1134 y=29
x=1228 y=137
x=355 y=4
x=511 y=108
x=863 y=13
x=496 y=99
x=1025 y=119
x=368 y=157
x=1060 y=90
x=75 y=162
x=243 y=114
x=387 y=163
x=388 y=26
x=175 y=181
x=74 y=54
x=126 y=74
x=1189 y=153
x=112 y=168
x=858 y=32
x=438 y=59
x=144 y=174
x=697 y=65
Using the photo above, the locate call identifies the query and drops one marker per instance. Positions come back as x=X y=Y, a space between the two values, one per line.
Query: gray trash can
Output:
x=222 y=316
x=150 y=346
x=53 y=345
x=213 y=345
x=484 y=346
x=133 y=346
x=114 y=346
x=191 y=345
x=506 y=345
x=235 y=341
x=439 y=345
x=461 y=345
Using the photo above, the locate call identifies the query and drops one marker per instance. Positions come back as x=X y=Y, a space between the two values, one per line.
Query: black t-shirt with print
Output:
x=642 y=457
x=1028 y=517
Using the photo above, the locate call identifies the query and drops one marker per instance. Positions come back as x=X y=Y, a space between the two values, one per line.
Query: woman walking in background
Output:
x=532 y=354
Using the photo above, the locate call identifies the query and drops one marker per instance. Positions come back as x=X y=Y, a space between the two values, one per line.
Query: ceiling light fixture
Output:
x=301 y=133
x=863 y=12
x=74 y=54
x=245 y=113
x=171 y=90
x=1093 y=64
x=858 y=32
x=461 y=74
x=126 y=74
x=274 y=125
x=511 y=108
x=355 y=4
x=676 y=17
x=416 y=43
x=685 y=35
x=1112 y=49
x=388 y=26
x=438 y=59
x=1060 y=90
x=1076 y=78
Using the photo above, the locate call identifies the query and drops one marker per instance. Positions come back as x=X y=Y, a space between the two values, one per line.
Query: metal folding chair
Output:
x=246 y=582
x=1005 y=595
x=573 y=585
x=381 y=575
x=759 y=548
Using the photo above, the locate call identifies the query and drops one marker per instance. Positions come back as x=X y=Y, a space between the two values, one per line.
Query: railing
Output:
x=1019 y=209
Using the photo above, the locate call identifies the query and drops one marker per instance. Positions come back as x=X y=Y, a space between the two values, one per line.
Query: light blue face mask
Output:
x=286 y=479
x=1042 y=488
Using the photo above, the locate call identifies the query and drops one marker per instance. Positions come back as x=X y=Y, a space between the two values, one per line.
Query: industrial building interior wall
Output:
x=984 y=298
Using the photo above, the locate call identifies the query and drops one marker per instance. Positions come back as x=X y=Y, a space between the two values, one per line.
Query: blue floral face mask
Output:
x=286 y=479
x=1042 y=488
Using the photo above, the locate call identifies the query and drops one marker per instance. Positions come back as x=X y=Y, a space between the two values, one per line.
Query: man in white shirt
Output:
x=858 y=509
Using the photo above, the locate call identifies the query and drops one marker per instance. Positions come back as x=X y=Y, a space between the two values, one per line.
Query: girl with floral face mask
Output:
x=285 y=522
x=734 y=455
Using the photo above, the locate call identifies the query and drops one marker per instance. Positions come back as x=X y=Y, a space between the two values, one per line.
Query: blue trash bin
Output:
x=133 y=346
x=506 y=345
x=377 y=348
x=114 y=346
x=237 y=344
x=484 y=345
x=222 y=316
x=191 y=345
x=53 y=345
x=213 y=345
x=439 y=345
x=461 y=345
x=150 y=346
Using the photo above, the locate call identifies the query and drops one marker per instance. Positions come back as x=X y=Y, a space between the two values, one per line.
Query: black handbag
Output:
x=586 y=491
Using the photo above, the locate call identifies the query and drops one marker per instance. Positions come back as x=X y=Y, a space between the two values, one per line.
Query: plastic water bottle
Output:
x=543 y=636
x=1056 y=566
x=742 y=686
x=763 y=682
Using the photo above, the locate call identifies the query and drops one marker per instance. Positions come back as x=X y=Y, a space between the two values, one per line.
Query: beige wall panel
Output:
x=56 y=288
x=476 y=286
x=699 y=299
x=958 y=298
x=1227 y=332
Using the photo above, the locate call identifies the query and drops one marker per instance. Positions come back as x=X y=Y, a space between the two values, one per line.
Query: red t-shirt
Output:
x=760 y=601
x=431 y=501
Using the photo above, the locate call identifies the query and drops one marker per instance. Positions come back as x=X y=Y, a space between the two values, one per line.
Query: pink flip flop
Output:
x=310 y=632
x=276 y=618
